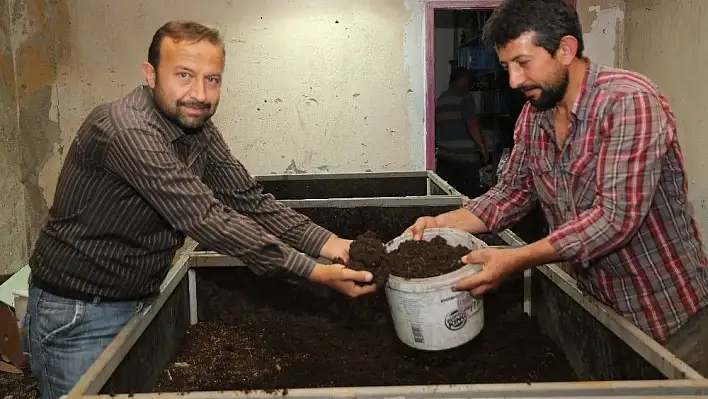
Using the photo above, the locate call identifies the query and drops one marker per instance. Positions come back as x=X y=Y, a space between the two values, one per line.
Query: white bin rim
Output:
x=428 y=284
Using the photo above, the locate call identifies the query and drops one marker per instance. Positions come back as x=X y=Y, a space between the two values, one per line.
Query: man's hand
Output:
x=342 y=279
x=496 y=264
x=485 y=157
x=336 y=247
x=460 y=219
x=422 y=223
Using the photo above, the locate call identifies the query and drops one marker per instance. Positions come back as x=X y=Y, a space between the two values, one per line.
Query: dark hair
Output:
x=551 y=20
x=457 y=74
x=179 y=31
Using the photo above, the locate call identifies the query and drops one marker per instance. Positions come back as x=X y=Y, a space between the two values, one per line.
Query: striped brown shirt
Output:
x=134 y=184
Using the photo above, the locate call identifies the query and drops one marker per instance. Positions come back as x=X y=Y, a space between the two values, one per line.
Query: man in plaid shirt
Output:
x=598 y=148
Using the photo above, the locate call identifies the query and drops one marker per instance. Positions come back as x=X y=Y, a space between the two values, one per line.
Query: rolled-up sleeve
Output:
x=635 y=136
x=513 y=196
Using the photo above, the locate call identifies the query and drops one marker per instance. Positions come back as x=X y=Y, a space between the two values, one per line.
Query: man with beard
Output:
x=143 y=172
x=598 y=147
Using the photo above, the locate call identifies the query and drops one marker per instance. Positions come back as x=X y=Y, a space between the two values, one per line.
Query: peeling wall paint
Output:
x=664 y=41
x=13 y=240
x=603 y=25
x=40 y=42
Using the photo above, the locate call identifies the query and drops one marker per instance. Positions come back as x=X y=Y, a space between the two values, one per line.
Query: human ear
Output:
x=148 y=73
x=567 y=50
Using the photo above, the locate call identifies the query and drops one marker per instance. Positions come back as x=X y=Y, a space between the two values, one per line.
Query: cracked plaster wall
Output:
x=603 y=29
x=34 y=41
x=310 y=86
x=13 y=240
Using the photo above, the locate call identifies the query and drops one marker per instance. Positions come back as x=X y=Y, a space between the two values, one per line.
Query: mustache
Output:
x=528 y=88
x=195 y=104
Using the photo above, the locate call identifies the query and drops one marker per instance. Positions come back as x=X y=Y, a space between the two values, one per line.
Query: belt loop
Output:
x=96 y=300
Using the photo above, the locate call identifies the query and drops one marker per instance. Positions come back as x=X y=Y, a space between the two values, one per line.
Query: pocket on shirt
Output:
x=581 y=163
x=543 y=179
x=580 y=170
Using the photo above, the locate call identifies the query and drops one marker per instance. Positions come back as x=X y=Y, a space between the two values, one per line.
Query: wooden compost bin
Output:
x=609 y=356
x=355 y=185
x=380 y=185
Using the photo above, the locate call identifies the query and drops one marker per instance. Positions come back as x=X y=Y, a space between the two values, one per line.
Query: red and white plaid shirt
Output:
x=615 y=199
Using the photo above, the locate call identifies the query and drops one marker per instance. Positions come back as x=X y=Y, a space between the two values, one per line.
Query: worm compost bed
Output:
x=399 y=186
x=281 y=332
x=386 y=222
x=288 y=337
x=353 y=185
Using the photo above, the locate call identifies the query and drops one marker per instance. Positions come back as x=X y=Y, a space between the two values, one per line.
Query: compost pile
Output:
x=420 y=259
x=412 y=259
x=367 y=252
x=265 y=334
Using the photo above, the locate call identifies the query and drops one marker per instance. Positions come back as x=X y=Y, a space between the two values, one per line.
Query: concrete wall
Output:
x=310 y=85
x=664 y=40
x=13 y=240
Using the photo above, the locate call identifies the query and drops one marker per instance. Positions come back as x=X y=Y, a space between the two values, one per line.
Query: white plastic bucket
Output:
x=426 y=313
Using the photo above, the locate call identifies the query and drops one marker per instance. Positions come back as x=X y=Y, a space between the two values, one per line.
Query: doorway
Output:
x=453 y=32
x=457 y=44
x=444 y=48
x=455 y=18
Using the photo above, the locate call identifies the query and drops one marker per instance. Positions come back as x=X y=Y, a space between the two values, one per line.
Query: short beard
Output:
x=551 y=96
x=173 y=114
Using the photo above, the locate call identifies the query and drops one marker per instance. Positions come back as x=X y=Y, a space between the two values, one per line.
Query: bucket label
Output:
x=468 y=303
x=455 y=320
x=417 y=334
x=435 y=320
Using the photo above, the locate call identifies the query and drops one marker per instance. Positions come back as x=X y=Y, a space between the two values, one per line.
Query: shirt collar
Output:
x=581 y=104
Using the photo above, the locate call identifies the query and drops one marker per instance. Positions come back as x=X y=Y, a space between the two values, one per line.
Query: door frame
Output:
x=429 y=20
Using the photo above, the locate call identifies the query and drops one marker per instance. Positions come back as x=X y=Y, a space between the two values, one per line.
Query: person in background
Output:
x=598 y=147
x=143 y=172
x=460 y=148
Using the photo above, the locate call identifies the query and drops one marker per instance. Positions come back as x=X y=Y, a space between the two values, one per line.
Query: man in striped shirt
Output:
x=142 y=173
x=598 y=148
x=460 y=150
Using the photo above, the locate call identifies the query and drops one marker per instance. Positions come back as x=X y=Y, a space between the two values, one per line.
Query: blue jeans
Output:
x=63 y=337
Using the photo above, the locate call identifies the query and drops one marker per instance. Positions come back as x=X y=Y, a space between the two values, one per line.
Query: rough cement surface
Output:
x=13 y=245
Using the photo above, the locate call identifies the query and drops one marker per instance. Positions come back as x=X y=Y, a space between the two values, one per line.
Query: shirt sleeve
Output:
x=513 y=196
x=234 y=186
x=146 y=161
x=635 y=136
